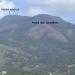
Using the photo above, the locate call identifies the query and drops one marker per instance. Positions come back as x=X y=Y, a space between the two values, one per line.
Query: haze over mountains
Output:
x=30 y=46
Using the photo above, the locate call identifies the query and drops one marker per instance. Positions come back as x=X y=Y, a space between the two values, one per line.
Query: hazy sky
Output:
x=61 y=8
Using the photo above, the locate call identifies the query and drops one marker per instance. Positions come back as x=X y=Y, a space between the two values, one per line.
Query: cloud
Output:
x=59 y=5
x=64 y=5
x=5 y=4
x=35 y=11
x=37 y=1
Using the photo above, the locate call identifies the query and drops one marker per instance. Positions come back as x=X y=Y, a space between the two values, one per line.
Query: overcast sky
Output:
x=61 y=8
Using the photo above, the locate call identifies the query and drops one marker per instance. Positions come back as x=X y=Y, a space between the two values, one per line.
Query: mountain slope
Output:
x=43 y=46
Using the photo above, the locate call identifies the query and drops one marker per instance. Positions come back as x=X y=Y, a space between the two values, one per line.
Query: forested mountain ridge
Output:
x=42 y=42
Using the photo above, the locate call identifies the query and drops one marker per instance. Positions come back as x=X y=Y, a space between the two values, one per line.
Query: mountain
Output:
x=42 y=42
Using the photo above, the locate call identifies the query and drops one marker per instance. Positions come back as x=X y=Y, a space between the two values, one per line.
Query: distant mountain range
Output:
x=43 y=46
